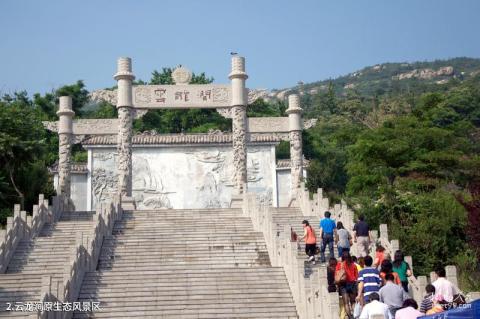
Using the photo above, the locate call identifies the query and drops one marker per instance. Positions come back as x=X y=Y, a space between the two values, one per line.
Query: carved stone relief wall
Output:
x=103 y=176
x=183 y=176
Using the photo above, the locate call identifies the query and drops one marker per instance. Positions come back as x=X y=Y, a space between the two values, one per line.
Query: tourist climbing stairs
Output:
x=186 y=264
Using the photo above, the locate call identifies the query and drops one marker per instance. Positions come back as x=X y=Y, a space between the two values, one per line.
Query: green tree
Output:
x=21 y=139
x=325 y=145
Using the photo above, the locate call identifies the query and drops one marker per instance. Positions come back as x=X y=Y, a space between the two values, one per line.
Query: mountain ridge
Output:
x=388 y=77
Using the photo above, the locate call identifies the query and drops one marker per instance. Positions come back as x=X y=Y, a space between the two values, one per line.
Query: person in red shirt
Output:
x=347 y=284
x=379 y=256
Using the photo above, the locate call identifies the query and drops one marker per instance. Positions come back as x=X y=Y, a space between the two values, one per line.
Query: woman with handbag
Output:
x=346 y=275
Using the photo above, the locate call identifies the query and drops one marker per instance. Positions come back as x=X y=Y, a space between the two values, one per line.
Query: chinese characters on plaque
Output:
x=182 y=96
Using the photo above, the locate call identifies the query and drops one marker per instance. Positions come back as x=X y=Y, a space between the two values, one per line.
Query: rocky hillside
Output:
x=387 y=78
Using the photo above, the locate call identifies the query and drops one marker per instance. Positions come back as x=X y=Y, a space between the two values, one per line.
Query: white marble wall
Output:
x=183 y=176
x=283 y=187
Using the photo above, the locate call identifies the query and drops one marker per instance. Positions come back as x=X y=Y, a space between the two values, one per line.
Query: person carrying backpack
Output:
x=310 y=241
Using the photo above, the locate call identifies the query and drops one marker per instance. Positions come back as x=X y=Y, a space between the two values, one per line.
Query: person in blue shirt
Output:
x=327 y=234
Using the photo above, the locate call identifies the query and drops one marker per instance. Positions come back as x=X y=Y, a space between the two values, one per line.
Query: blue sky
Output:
x=46 y=44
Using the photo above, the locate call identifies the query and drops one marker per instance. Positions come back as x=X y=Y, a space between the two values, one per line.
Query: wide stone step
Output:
x=167 y=279
x=180 y=253
x=37 y=271
x=162 y=292
x=219 y=270
x=246 y=311
x=174 y=227
x=172 y=263
x=192 y=235
x=177 y=267
x=180 y=250
x=193 y=218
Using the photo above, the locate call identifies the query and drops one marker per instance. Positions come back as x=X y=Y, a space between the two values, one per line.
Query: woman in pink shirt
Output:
x=409 y=310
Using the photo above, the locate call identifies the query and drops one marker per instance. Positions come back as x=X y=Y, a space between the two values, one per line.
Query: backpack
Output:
x=341 y=275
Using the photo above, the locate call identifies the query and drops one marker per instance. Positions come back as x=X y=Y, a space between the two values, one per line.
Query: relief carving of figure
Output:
x=104 y=184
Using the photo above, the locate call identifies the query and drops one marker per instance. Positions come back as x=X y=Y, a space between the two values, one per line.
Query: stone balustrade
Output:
x=308 y=285
x=23 y=226
x=87 y=250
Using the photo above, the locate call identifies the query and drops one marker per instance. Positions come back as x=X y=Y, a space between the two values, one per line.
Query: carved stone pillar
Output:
x=239 y=119
x=65 y=132
x=294 y=112
x=124 y=77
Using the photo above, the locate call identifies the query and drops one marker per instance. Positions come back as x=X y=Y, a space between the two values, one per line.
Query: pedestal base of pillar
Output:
x=293 y=202
x=236 y=201
x=128 y=203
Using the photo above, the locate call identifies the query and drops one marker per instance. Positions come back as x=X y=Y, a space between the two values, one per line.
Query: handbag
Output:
x=340 y=275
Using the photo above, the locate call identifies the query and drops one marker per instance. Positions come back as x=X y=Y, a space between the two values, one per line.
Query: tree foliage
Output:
x=409 y=161
x=21 y=142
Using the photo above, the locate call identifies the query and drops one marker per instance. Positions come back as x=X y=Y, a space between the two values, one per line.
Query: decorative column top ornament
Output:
x=181 y=75
x=65 y=114
x=294 y=104
x=65 y=107
x=238 y=68
x=124 y=69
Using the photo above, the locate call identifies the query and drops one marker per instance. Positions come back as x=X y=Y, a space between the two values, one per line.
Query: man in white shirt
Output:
x=444 y=289
x=375 y=307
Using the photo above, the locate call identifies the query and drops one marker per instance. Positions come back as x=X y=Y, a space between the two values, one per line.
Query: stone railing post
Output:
x=65 y=133
x=294 y=112
x=384 y=231
x=239 y=122
x=395 y=244
x=409 y=261
x=124 y=78
x=451 y=272
x=421 y=284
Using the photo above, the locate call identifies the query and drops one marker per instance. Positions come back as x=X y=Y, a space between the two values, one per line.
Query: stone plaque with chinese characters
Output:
x=182 y=96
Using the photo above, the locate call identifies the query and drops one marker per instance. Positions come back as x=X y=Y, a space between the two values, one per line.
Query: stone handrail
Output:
x=308 y=285
x=50 y=289
x=41 y=213
x=21 y=226
x=85 y=256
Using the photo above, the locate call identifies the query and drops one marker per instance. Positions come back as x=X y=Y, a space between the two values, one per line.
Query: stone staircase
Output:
x=46 y=254
x=186 y=264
